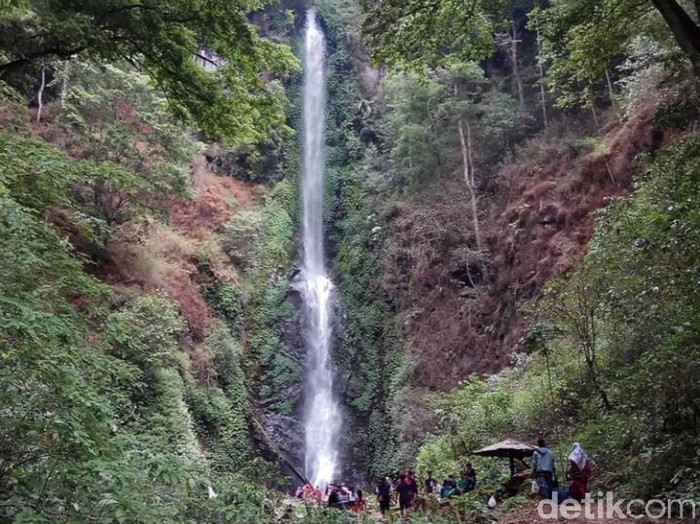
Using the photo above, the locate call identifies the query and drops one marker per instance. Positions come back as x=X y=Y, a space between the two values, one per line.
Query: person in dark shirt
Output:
x=405 y=490
x=449 y=487
x=430 y=483
x=334 y=499
x=411 y=479
x=468 y=479
x=384 y=495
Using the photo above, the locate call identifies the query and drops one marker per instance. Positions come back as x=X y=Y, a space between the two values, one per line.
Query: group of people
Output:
x=404 y=489
x=578 y=471
x=337 y=496
x=451 y=487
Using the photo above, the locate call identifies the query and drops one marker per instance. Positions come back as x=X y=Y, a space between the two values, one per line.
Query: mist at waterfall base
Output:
x=322 y=418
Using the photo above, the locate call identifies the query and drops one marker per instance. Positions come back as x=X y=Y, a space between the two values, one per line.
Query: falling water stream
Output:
x=322 y=420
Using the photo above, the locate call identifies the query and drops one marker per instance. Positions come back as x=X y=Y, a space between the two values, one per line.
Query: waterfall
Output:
x=323 y=419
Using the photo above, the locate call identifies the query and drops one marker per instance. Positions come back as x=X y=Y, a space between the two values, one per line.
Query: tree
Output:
x=462 y=80
x=645 y=258
x=231 y=100
x=576 y=308
x=581 y=37
x=685 y=30
x=415 y=32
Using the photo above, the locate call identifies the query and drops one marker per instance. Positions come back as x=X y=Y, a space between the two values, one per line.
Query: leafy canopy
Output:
x=415 y=32
x=228 y=95
x=581 y=38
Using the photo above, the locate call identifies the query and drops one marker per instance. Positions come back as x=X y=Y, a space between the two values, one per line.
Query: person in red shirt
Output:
x=308 y=492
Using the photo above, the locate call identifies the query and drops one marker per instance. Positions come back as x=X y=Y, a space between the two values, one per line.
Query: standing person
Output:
x=543 y=467
x=405 y=491
x=308 y=492
x=384 y=495
x=411 y=478
x=430 y=483
x=579 y=471
x=470 y=475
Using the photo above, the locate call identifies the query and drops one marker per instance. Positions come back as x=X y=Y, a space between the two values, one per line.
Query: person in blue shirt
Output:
x=543 y=468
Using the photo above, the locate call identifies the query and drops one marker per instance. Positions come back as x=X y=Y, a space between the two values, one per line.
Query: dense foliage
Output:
x=606 y=333
x=223 y=90
x=417 y=32
x=148 y=311
x=116 y=407
x=638 y=288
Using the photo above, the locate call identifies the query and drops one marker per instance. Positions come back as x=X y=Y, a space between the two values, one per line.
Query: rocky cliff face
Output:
x=286 y=431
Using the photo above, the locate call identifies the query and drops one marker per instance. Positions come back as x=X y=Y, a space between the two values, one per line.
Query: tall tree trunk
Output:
x=64 y=83
x=40 y=95
x=611 y=90
x=543 y=93
x=467 y=161
x=516 y=67
x=584 y=323
x=591 y=100
x=684 y=29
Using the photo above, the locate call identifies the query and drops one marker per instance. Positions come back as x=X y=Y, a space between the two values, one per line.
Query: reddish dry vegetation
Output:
x=462 y=315
x=151 y=257
x=155 y=257
x=213 y=203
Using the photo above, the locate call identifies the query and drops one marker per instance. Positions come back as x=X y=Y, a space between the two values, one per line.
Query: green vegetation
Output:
x=95 y=421
x=505 y=267
x=229 y=101
x=276 y=370
x=582 y=39
x=609 y=353
x=418 y=32
x=615 y=352
x=116 y=407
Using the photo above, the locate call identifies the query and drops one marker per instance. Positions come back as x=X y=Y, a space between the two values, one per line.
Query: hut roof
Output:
x=507 y=448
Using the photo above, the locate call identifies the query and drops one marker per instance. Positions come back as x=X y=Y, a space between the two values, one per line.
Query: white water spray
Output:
x=323 y=419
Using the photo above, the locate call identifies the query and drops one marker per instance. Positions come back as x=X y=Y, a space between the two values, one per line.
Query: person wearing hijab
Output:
x=579 y=471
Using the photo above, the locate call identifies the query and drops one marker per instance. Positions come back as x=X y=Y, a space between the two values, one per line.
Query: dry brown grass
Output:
x=153 y=257
x=214 y=201
x=538 y=224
